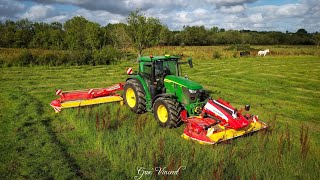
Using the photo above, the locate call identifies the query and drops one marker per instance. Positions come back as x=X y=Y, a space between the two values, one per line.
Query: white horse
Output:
x=264 y=53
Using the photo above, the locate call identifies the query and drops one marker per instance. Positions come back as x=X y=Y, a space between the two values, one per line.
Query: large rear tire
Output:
x=167 y=112
x=134 y=96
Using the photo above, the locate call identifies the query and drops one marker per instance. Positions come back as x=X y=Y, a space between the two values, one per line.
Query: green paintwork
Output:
x=175 y=84
x=183 y=82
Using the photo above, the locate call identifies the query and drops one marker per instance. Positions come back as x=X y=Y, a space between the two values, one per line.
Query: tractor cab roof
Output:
x=158 y=58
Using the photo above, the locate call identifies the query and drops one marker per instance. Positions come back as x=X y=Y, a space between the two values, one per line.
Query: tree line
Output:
x=140 y=32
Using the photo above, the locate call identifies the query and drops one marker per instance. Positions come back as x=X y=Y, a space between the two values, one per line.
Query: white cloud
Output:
x=39 y=12
x=182 y=17
x=233 y=9
x=256 y=18
x=58 y=18
x=101 y=17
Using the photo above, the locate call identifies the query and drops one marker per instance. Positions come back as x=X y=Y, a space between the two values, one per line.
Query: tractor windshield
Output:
x=166 y=68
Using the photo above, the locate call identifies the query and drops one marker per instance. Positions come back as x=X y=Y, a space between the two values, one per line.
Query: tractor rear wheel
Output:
x=134 y=96
x=167 y=112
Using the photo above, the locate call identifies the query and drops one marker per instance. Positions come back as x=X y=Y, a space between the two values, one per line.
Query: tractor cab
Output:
x=155 y=69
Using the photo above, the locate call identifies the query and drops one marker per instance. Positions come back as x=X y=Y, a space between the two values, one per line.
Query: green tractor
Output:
x=158 y=87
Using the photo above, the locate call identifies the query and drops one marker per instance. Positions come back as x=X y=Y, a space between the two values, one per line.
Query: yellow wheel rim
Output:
x=162 y=113
x=131 y=97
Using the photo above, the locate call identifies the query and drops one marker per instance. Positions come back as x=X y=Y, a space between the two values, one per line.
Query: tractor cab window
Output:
x=145 y=71
x=163 y=68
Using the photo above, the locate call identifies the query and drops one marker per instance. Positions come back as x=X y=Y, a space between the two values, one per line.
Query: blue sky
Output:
x=261 y=15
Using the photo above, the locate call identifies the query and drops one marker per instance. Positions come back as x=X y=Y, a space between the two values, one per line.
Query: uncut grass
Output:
x=115 y=145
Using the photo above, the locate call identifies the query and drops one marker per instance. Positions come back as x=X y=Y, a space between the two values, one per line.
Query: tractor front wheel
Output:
x=167 y=112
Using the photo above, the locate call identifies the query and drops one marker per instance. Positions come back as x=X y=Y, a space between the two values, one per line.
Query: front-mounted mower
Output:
x=158 y=87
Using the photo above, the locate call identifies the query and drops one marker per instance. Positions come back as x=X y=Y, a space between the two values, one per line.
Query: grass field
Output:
x=110 y=142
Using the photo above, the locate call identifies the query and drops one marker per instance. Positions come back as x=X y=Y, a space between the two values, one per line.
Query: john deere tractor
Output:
x=158 y=87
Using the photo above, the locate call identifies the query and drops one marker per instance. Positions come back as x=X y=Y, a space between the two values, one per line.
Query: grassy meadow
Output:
x=109 y=141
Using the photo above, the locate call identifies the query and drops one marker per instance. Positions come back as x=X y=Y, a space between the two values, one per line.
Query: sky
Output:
x=259 y=15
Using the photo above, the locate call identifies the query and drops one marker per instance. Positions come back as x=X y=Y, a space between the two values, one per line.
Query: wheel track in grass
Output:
x=72 y=163
x=47 y=123
x=32 y=129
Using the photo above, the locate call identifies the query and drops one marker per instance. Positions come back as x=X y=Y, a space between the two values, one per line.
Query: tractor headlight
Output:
x=192 y=91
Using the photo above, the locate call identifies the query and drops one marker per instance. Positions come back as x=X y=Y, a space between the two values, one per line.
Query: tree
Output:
x=302 y=31
x=195 y=35
x=317 y=39
x=75 y=33
x=24 y=33
x=166 y=36
x=177 y=38
x=144 y=31
x=93 y=34
x=41 y=36
x=232 y=37
x=56 y=36
x=214 y=29
x=246 y=38
x=120 y=38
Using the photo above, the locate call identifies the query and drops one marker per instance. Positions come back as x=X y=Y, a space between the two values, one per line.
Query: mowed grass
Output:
x=109 y=141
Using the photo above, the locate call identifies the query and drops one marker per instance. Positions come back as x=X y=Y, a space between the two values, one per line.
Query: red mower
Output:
x=218 y=122
x=86 y=97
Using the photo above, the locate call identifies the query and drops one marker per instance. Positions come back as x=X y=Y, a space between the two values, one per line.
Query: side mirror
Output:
x=190 y=62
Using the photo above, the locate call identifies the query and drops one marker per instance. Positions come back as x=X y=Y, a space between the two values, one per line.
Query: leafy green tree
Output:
x=41 y=36
x=47 y=36
x=246 y=38
x=23 y=34
x=92 y=35
x=232 y=37
x=302 y=31
x=195 y=35
x=144 y=31
x=75 y=36
x=120 y=38
x=214 y=29
x=177 y=38
x=166 y=36
x=8 y=33
x=56 y=36
x=106 y=35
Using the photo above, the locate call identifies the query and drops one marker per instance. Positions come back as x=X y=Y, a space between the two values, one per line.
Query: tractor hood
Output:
x=182 y=82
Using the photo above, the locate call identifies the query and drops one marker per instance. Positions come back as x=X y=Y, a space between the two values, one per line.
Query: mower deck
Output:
x=217 y=133
x=218 y=122
x=87 y=97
